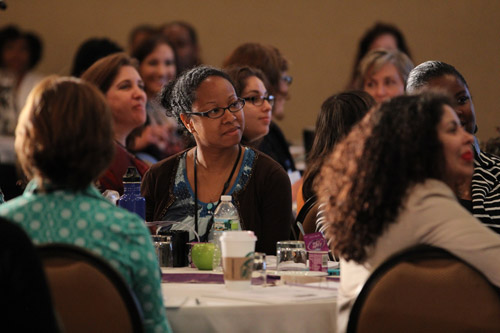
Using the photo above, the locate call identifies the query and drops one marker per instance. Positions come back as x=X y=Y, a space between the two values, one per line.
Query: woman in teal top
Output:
x=64 y=141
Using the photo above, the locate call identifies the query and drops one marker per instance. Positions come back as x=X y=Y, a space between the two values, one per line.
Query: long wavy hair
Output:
x=366 y=180
x=339 y=113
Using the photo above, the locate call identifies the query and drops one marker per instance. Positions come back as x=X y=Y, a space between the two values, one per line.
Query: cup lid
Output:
x=239 y=235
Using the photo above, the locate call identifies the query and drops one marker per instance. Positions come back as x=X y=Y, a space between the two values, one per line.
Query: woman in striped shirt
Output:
x=481 y=193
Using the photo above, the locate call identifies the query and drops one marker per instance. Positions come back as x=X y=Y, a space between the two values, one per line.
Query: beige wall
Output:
x=318 y=37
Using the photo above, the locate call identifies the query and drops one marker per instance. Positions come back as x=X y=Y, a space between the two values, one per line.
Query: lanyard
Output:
x=204 y=238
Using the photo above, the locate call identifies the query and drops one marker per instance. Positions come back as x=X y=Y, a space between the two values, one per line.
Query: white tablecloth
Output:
x=193 y=307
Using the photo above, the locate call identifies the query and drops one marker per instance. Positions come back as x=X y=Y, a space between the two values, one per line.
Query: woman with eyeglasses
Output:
x=274 y=65
x=187 y=187
x=251 y=85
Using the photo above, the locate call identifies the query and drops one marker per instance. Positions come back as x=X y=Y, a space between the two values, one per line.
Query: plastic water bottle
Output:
x=225 y=218
x=131 y=198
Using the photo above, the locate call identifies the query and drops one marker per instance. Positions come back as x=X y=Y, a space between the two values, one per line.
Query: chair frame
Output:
x=75 y=253
x=419 y=252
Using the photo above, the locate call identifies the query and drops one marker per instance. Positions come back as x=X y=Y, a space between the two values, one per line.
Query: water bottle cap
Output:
x=226 y=198
x=132 y=175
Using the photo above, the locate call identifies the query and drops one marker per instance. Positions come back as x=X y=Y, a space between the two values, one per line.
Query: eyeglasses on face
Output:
x=259 y=100
x=219 y=112
x=288 y=79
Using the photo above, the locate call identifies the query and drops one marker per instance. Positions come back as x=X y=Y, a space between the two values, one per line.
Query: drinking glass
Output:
x=163 y=248
x=291 y=256
x=259 y=266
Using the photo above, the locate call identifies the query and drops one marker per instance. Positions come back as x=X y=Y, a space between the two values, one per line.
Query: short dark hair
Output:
x=339 y=113
x=379 y=29
x=52 y=136
x=104 y=71
x=178 y=95
x=190 y=29
x=90 y=51
x=426 y=71
x=147 y=29
x=366 y=180
x=11 y=33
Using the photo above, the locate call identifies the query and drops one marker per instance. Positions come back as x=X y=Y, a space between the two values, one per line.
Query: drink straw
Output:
x=301 y=228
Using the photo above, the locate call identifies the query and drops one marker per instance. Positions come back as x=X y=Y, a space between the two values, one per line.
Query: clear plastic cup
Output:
x=291 y=256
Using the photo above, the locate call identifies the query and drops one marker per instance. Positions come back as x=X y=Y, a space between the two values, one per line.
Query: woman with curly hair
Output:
x=391 y=184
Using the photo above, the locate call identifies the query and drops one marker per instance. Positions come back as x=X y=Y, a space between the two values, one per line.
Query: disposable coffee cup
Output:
x=238 y=248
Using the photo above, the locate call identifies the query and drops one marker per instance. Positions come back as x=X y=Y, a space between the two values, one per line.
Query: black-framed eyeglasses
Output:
x=288 y=79
x=219 y=112
x=259 y=100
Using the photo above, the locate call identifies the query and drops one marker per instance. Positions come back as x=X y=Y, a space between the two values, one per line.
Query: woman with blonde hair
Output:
x=383 y=74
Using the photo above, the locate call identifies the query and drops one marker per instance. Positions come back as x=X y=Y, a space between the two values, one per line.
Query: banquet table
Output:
x=198 y=301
